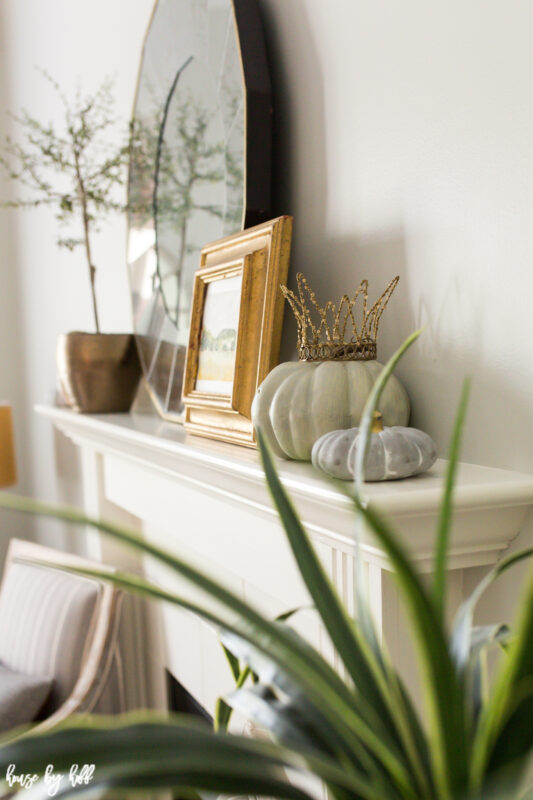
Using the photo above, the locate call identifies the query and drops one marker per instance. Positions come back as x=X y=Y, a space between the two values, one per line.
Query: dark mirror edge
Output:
x=259 y=112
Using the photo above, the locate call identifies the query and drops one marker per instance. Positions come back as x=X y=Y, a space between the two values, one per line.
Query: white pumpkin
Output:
x=394 y=452
x=300 y=401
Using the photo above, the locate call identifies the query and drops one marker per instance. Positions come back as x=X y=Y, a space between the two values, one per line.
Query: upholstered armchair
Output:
x=61 y=626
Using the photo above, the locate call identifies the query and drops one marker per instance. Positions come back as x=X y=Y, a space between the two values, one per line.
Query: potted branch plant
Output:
x=358 y=731
x=76 y=171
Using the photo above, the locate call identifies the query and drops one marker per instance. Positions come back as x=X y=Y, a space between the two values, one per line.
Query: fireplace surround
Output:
x=208 y=501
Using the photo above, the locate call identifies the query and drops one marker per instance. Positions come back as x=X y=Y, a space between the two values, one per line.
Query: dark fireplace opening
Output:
x=181 y=701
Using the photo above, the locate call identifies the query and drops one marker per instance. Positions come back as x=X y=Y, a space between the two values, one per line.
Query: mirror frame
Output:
x=258 y=145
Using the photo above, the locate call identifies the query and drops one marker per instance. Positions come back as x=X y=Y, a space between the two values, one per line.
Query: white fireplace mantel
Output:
x=490 y=504
x=209 y=501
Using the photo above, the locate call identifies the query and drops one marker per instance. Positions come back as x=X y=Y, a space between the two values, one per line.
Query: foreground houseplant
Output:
x=365 y=742
x=76 y=171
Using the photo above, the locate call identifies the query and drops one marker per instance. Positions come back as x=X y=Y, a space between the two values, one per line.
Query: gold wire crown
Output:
x=324 y=338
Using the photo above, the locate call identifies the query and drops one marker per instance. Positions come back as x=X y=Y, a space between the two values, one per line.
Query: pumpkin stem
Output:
x=377 y=423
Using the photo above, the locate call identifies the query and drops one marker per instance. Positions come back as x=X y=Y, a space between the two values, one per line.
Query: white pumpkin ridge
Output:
x=299 y=401
x=394 y=453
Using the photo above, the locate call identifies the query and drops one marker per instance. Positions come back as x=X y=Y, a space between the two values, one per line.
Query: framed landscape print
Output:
x=235 y=332
x=218 y=343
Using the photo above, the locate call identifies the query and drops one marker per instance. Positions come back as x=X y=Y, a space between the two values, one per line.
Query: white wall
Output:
x=408 y=141
x=12 y=382
x=45 y=289
x=405 y=145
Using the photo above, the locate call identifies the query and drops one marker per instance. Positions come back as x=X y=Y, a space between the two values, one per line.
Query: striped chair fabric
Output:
x=64 y=626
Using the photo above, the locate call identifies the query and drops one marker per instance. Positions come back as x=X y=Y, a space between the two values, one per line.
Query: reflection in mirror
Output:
x=188 y=168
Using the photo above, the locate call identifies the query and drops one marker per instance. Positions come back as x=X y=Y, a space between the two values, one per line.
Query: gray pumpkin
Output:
x=394 y=452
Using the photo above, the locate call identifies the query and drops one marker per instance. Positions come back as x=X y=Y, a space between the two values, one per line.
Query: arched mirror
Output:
x=200 y=166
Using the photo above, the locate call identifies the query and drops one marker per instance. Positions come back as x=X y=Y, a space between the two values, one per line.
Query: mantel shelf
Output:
x=490 y=504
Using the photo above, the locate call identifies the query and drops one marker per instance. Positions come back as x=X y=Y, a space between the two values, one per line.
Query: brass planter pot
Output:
x=98 y=372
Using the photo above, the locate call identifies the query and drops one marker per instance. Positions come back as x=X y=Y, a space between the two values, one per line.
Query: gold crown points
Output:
x=324 y=338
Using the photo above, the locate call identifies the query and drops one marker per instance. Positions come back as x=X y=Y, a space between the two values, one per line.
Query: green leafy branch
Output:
x=74 y=169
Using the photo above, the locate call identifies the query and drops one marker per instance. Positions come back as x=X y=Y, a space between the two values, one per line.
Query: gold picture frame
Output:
x=235 y=332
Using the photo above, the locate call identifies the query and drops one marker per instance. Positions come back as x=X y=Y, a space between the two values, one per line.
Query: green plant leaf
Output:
x=223 y=711
x=233 y=662
x=339 y=626
x=172 y=753
x=354 y=651
x=367 y=416
x=444 y=693
x=486 y=635
x=175 y=774
x=360 y=651
x=404 y=713
x=460 y=641
x=222 y=715
x=449 y=746
x=445 y=516
x=363 y=443
x=505 y=731
x=299 y=660
x=195 y=577
x=475 y=673
x=282 y=718
x=287 y=615
x=240 y=643
x=348 y=748
x=272 y=677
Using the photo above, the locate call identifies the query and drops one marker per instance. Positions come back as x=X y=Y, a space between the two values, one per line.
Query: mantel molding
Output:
x=490 y=504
